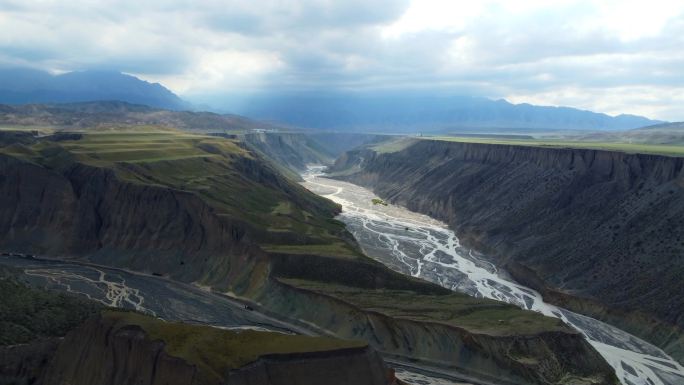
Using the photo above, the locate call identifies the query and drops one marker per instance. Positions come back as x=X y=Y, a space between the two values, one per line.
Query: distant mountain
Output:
x=427 y=113
x=388 y=112
x=674 y=126
x=664 y=133
x=21 y=86
x=115 y=113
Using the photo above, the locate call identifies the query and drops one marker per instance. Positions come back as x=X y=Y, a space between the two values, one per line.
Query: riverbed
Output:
x=158 y=296
x=420 y=246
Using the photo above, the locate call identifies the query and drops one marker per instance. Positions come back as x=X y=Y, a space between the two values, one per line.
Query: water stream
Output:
x=423 y=247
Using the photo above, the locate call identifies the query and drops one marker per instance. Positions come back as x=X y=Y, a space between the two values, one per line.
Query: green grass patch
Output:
x=634 y=148
x=216 y=351
x=334 y=249
x=378 y=201
x=393 y=144
x=477 y=315
x=283 y=208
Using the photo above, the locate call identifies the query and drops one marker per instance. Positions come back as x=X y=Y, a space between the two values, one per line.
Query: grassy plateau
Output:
x=640 y=148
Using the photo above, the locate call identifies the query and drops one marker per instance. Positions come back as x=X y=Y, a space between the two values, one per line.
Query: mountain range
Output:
x=392 y=112
x=379 y=111
x=28 y=86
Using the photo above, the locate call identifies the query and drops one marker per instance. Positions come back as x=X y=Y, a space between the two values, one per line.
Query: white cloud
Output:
x=435 y=15
x=646 y=101
x=229 y=69
x=623 y=56
x=635 y=19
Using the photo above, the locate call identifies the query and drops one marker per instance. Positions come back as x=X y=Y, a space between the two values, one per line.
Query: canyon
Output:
x=420 y=246
x=208 y=211
x=597 y=232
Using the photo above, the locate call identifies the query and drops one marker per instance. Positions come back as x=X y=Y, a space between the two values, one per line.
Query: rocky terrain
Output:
x=595 y=231
x=203 y=209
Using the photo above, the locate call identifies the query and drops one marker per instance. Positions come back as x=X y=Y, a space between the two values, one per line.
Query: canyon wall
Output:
x=292 y=152
x=598 y=232
x=85 y=211
x=552 y=356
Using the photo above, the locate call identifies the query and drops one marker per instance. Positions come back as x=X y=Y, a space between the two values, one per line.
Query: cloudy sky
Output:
x=610 y=56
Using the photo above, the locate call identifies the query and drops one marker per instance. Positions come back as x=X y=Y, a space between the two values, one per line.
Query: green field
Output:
x=639 y=148
x=393 y=144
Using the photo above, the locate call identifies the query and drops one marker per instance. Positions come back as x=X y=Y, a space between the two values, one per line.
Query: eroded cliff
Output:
x=119 y=348
x=291 y=153
x=595 y=231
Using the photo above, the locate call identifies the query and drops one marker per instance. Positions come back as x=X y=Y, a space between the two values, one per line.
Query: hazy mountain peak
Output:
x=406 y=112
x=20 y=85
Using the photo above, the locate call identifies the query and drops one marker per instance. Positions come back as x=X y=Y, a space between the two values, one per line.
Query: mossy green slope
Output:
x=216 y=351
x=476 y=315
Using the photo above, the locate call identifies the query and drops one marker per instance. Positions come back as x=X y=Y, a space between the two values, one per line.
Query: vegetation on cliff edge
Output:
x=216 y=351
x=27 y=313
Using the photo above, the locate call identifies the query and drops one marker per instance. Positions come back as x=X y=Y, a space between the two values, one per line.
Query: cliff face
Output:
x=105 y=351
x=87 y=211
x=192 y=209
x=575 y=224
x=292 y=152
x=97 y=353
x=343 y=367
x=25 y=364
x=550 y=357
